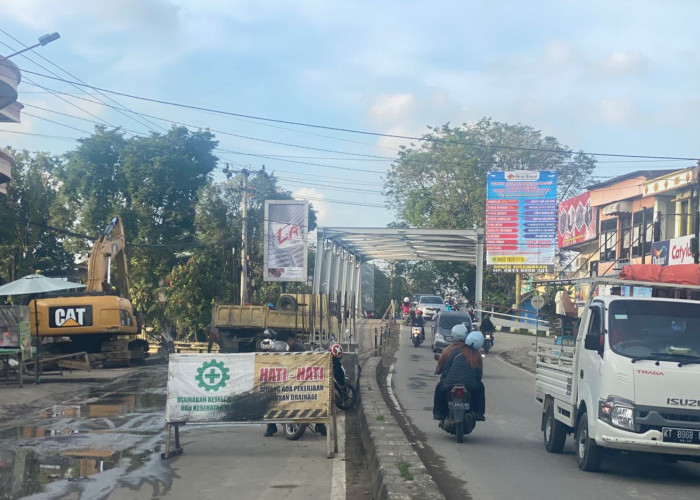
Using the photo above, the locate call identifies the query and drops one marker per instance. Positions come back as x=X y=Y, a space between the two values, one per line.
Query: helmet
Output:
x=419 y=312
x=475 y=340
x=459 y=333
x=406 y=299
x=266 y=344
x=336 y=351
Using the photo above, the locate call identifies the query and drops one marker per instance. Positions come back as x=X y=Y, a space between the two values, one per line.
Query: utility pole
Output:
x=244 y=237
x=245 y=173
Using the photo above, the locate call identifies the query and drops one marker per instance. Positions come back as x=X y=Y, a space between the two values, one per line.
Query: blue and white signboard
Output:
x=521 y=221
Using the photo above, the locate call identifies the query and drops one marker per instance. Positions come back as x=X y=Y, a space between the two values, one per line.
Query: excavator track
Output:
x=115 y=353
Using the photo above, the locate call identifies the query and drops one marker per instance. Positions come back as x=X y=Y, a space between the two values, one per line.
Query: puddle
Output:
x=114 y=427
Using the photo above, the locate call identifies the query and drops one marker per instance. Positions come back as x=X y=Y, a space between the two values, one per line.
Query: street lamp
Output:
x=43 y=40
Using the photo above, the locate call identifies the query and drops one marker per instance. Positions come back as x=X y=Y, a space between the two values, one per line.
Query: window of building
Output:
x=608 y=240
x=626 y=240
x=686 y=220
x=642 y=232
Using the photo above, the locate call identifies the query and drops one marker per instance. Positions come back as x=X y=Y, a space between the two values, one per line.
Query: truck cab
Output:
x=630 y=382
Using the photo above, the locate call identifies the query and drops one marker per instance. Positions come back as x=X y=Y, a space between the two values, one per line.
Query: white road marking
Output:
x=338 y=480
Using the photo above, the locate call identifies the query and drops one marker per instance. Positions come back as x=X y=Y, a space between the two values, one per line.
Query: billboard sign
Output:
x=672 y=252
x=521 y=221
x=286 y=242
x=576 y=221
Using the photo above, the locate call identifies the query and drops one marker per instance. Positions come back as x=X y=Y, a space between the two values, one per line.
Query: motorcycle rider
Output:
x=487 y=327
x=419 y=320
x=461 y=364
x=406 y=306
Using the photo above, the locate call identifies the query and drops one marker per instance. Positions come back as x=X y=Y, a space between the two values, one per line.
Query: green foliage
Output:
x=441 y=183
x=404 y=470
x=31 y=205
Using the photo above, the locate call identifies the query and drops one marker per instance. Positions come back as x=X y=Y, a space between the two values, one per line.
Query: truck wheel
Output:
x=588 y=454
x=287 y=303
x=554 y=431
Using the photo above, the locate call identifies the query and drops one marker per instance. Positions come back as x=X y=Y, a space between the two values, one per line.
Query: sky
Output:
x=599 y=76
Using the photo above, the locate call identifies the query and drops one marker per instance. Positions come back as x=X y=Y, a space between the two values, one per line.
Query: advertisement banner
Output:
x=576 y=221
x=286 y=244
x=672 y=252
x=249 y=387
x=521 y=221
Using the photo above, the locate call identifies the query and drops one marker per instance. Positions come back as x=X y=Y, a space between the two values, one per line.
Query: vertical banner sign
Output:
x=249 y=387
x=521 y=221
x=286 y=244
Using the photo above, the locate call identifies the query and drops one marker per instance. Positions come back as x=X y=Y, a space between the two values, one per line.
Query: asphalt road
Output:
x=504 y=457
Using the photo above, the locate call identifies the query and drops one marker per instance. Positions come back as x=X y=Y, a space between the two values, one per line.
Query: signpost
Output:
x=537 y=302
x=521 y=221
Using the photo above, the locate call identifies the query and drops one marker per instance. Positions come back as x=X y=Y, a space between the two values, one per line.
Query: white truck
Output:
x=631 y=381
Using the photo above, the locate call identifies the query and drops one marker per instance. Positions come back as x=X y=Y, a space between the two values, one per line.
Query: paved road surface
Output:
x=504 y=457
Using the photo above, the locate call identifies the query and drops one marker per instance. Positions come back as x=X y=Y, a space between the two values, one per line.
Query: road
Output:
x=504 y=457
x=104 y=442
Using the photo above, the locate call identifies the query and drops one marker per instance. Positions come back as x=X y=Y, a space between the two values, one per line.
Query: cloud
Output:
x=316 y=199
x=392 y=107
x=623 y=64
x=618 y=112
x=559 y=53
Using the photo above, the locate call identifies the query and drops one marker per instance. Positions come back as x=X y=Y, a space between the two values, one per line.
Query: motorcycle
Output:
x=345 y=397
x=293 y=430
x=406 y=319
x=416 y=336
x=461 y=419
x=488 y=342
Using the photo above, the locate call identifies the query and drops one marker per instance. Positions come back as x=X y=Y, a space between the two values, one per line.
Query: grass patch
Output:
x=403 y=470
x=380 y=418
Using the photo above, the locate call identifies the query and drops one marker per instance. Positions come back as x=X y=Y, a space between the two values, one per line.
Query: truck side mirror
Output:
x=593 y=342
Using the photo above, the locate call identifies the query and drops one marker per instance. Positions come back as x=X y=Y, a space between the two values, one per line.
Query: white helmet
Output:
x=406 y=299
x=459 y=333
x=266 y=344
x=475 y=340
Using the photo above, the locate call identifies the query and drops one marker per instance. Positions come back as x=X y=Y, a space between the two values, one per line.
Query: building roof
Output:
x=647 y=174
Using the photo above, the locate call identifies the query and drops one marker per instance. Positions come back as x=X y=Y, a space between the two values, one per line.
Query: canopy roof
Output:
x=371 y=243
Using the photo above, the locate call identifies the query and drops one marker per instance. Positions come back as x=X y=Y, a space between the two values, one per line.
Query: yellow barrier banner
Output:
x=249 y=387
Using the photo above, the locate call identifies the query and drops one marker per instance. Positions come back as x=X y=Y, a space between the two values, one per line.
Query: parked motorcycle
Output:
x=294 y=430
x=488 y=342
x=461 y=419
x=416 y=336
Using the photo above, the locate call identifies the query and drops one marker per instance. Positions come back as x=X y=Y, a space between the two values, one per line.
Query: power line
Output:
x=26 y=56
x=354 y=131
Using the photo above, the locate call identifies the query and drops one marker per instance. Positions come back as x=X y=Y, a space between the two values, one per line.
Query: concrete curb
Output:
x=387 y=447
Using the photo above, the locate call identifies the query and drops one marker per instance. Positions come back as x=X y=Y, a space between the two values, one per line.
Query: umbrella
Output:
x=35 y=284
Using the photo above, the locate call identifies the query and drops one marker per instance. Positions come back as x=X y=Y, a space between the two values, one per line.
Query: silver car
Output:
x=442 y=328
x=430 y=306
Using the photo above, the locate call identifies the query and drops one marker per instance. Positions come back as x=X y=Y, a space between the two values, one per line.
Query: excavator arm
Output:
x=109 y=247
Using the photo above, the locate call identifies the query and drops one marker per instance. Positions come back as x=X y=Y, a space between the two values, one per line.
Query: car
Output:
x=442 y=329
x=430 y=306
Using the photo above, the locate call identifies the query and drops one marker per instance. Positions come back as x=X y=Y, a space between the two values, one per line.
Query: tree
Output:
x=153 y=183
x=441 y=183
x=29 y=211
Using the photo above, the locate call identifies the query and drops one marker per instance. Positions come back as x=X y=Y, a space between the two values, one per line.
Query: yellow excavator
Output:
x=101 y=317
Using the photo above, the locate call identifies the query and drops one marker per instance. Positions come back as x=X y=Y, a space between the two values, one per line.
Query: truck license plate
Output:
x=685 y=436
x=459 y=406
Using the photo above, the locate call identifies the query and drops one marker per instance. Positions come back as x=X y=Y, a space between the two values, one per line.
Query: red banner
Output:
x=576 y=221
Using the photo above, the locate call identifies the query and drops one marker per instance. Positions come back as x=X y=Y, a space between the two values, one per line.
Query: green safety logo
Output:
x=212 y=375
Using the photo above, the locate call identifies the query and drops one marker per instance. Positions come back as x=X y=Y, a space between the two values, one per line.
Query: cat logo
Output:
x=65 y=317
